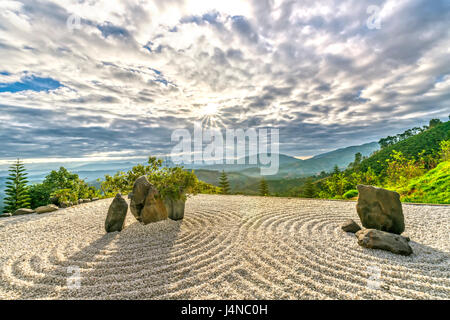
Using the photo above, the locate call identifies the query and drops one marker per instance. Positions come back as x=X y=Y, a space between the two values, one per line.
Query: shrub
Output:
x=55 y=182
x=65 y=196
x=174 y=183
x=350 y=194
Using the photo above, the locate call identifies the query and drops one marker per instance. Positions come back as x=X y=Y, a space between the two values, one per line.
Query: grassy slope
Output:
x=432 y=187
x=428 y=140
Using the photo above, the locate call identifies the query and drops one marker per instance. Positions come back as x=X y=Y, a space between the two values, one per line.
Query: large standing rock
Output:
x=117 y=213
x=380 y=209
x=350 y=226
x=21 y=211
x=141 y=188
x=45 y=209
x=376 y=239
x=154 y=209
x=145 y=205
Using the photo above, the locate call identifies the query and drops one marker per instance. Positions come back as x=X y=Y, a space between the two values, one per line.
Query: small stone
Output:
x=45 y=209
x=21 y=211
x=65 y=204
x=351 y=226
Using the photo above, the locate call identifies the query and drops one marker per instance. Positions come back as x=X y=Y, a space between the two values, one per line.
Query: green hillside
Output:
x=432 y=187
x=414 y=163
x=427 y=141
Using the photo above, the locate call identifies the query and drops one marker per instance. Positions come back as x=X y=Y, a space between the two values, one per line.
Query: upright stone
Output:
x=175 y=208
x=380 y=209
x=117 y=212
x=154 y=209
x=141 y=188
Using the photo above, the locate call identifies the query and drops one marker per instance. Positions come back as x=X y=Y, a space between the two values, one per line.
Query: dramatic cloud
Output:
x=84 y=78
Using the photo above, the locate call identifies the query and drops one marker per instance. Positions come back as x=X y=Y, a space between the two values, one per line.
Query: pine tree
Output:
x=17 y=195
x=224 y=184
x=309 y=190
x=263 y=188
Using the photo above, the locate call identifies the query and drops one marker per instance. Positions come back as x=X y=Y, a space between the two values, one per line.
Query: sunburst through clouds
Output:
x=210 y=116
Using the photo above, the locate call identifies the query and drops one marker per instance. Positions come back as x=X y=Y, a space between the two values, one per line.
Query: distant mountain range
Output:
x=290 y=167
x=242 y=177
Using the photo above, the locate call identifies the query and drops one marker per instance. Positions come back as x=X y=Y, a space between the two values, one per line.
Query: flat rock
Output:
x=376 y=239
x=350 y=226
x=380 y=209
x=5 y=215
x=45 y=209
x=117 y=212
x=21 y=211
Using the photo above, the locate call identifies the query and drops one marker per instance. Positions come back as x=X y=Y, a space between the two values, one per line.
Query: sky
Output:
x=113 y=79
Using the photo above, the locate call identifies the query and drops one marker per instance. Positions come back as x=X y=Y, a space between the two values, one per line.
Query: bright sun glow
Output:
x=210 y=115
x=209 y=110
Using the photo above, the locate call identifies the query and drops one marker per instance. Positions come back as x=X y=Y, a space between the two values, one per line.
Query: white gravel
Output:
x=227 y=247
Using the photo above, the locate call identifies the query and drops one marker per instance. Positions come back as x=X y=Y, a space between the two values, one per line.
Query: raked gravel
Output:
x=226 y=247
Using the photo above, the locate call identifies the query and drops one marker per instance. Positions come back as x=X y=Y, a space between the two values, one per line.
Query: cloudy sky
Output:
x=113 y=78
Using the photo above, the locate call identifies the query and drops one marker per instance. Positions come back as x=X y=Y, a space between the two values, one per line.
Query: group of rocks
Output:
x=145 y=205
x=44 y=209
x=80 y=201
x=381 y=215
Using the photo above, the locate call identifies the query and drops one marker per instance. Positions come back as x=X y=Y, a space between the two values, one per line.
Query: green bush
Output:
x=65 y=196
x=350 y=194
x=61 y=184
x=173 y=183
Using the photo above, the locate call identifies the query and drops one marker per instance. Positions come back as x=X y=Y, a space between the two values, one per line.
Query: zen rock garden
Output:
x=381 y=215
x=146 y=205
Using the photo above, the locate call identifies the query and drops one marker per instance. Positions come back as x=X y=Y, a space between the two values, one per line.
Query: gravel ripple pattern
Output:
x=226 y=247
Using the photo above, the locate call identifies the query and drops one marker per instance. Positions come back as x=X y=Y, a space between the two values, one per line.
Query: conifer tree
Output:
x=309 y=190
x=224 y=184
x=263 y=188
x=17 y=195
